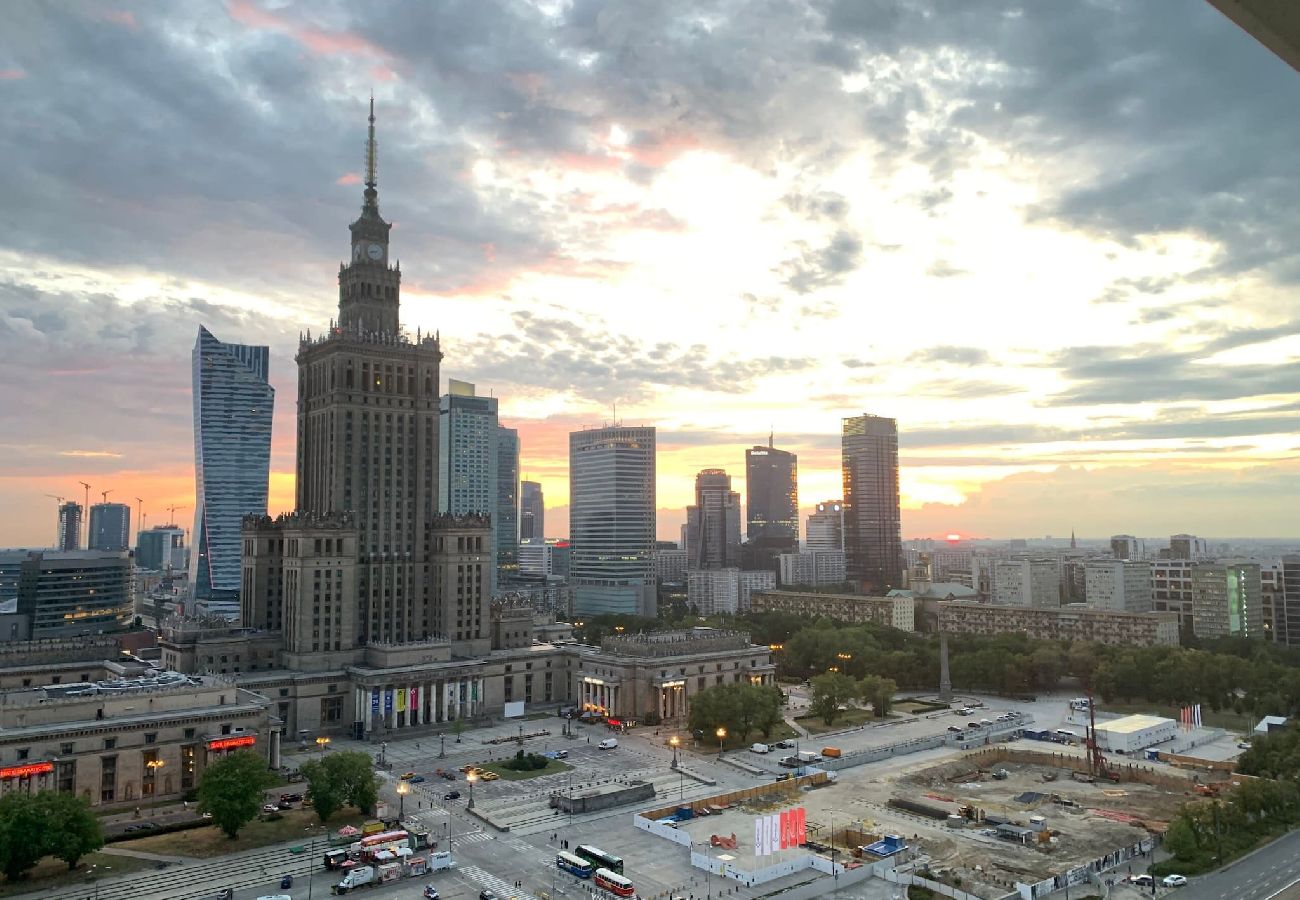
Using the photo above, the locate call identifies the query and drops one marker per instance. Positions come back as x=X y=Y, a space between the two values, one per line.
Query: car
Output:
x=270 y=807
x=284 y=804
x=955 y=728
x=485 y=894
x=760 y=748
x=561 y=754
x=470 y=767
x=966 y=711
x=291 y=798
x=430 y=892
x=407 y=776
x=451 y=795
x=485 y=775
x=275 y=897
x=785 y=745
x=1141 y=880
x=1243 y=745
x=449 y=775
x=418 y=779
x=1174 y=881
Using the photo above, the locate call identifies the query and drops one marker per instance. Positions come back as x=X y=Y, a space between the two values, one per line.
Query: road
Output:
x=1255 y=877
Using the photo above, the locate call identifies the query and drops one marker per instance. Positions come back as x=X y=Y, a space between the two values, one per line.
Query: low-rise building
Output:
x=1132 y=734
x=897 y=611
x=1069 y=623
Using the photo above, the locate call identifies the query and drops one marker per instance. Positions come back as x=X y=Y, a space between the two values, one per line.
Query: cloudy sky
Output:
x=1054 y=239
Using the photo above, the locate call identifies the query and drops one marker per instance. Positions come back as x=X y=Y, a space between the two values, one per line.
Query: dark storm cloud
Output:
x=598 y=365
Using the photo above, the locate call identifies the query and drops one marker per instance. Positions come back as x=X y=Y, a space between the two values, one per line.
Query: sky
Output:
x=1055 y=240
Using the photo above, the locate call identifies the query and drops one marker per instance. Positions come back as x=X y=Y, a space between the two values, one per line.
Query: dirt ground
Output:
x=986 y=865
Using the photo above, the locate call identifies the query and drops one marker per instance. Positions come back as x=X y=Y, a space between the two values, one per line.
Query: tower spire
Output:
x=372 y=160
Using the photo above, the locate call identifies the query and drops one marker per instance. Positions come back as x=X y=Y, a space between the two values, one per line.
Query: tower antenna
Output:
x=371 y=153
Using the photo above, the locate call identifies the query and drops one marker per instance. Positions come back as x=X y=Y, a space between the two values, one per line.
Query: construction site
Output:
x=984 y=821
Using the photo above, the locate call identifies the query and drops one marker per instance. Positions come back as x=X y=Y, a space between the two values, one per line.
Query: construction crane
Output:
x=1096 y=761
x=139 y=519
x=103 y=495
x=85 y=513
x=58 y=534
x=171 y=513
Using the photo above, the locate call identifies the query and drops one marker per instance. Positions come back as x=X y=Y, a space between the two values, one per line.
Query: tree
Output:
x=22 y=835
x=339 y=780
x=879 y=692
x=829 y=692
x=231 y=789
x=71 y=829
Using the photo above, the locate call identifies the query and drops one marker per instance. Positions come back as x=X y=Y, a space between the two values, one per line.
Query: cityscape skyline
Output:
x=798 y=231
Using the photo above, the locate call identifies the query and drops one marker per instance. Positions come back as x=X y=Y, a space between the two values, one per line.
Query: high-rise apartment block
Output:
x=1118 y=585
x=1027 y=582
x=1227 y=600
x=161 y=548
x=826 y=526
x=532 y=511
x=110 y=527
x=713 y=523
x=506 y=513
x=233 y=405
x=670 y=565
x=771 y=496
x=873 y=549
x=612 y=519
x=811 y=567
x=1171 y=589
x=69 y=526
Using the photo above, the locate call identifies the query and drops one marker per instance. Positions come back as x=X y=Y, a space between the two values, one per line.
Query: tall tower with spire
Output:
x=368 y=447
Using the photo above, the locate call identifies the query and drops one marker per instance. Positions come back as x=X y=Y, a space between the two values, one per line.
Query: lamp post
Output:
x=471 y=778
x=442 y=746
x=402 y=790
x=674 y=741
x=311 y=871
x=722 y=734
x=322 y=743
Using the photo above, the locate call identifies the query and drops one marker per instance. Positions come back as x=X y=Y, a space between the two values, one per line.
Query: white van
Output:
x=607 y=744
x=760 y=748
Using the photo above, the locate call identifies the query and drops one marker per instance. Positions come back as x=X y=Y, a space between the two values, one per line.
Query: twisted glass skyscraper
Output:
x=232 y=460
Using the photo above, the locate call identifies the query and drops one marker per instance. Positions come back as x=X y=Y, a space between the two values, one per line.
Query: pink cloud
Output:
x=12 y=74
x=349 y=178
x=122 y=17
x=318 y=41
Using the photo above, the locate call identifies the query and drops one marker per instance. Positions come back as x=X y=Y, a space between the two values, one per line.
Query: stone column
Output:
x=392 y=716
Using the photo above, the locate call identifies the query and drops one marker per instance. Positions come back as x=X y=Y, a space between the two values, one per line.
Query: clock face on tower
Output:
x=375 y=252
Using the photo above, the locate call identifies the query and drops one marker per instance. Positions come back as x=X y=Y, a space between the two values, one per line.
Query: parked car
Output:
x=607 y=744
x=407 y=776
x=1243 y=745
x=486 y=895
x=760 y=748
x=291 y=798
x=488 y=775
x=784 y=745
x=451 y=795
x=966 y=711
x=1174 y=881
x=270 y=807
x=1141 y=880
x=955 y=728
x=417 y=779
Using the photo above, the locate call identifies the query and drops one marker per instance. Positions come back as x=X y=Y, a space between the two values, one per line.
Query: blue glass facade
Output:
x=233 y=403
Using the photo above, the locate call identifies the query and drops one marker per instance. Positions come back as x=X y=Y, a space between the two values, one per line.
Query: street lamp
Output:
x=721 y=733
x=402 y=790
x=442 y=746
x=471 y=778
x=311 y=871
x=322 y=742
x=674 y=741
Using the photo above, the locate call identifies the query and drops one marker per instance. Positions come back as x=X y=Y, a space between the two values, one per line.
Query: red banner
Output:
x=231 y=743
x=800 y=826
x=26 y=771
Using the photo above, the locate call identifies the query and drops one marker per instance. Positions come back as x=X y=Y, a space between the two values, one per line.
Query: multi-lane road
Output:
x=1261 y=875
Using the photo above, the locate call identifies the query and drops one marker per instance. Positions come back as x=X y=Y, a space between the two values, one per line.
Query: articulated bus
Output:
x=612 y=881
x=599 y=858
x=574 y=864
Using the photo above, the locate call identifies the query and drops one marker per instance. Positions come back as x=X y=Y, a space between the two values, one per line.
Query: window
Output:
x=151 y=737
x=189 y=733
x=23 y=752
x=110 y=743
x=65 y=749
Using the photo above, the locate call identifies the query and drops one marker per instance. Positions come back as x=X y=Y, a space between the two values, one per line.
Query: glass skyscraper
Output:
x=233 y=402
x=873 y=546
x=612 y=520
x=467 y=456
x=532 y=511
x=506 y=519
x=110 y=526
x=772 y=495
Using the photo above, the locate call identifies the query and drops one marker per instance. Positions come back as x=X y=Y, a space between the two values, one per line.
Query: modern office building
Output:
x=1171 y=589
x=545 y=559
x=1187 y=546
x=532 y=511
x=506 y=513
x=826 y=527
x=233 y=405
x=69 y=526
x=468 y=464
x=713 y=523
x=161 y=548
x=873 y=549
x=110 y=527
x=368 y=432
x=1227 y=600
x=1126 y=546
x=771 y=495
x=811 y=567
x=612 y=519
x=1119 y=585
x=1271 y=593
x=1027 y=582
x=63 y=594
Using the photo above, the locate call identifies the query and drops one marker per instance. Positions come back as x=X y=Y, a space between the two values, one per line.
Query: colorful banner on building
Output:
x=1190 y=716
x=780 y=831
x=388 y=700
x=413 y=698
x=401 y=699
x=374 y=703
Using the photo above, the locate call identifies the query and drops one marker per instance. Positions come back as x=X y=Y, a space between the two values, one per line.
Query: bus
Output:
x=599 y=858
x=573 y=864
x=614 y=882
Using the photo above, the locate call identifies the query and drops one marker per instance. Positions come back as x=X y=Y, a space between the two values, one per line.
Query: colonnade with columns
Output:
x=397 y=704
x=597 y=696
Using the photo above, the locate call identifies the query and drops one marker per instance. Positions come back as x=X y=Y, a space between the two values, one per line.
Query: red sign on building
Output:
x=232 y=743
x=28 y=770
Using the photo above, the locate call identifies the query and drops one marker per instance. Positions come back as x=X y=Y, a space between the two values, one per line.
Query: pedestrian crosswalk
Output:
x=498 y=886
x=476 y=837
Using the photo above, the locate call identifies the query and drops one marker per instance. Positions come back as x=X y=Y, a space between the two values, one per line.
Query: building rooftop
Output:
x=1131 y=724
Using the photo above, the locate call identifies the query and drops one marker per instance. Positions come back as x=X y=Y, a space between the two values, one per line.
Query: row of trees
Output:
x=833 y=691
x=48 y=823
x=1206 y=834
x=339 y=780
x=740 y=708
